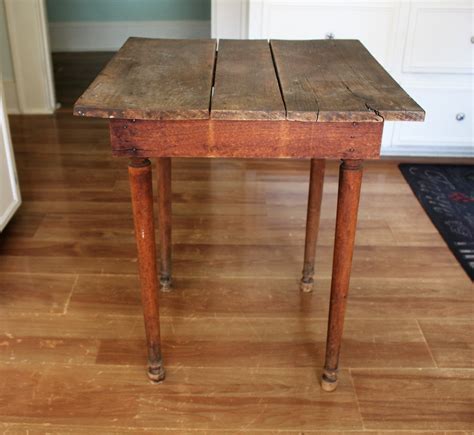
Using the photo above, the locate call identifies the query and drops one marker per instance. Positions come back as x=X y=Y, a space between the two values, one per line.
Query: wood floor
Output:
x=243 y=347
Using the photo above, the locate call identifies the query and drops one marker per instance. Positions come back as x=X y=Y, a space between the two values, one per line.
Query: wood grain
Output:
x=338 y=80
x=246 y=139
x=374 y=298
x=70 y=397
x=41 y=293
x=87 y=338
x=153 y=79
x=246 y=86
x=451 y=342
x=260 y=342
x=416 y=399
x=320 y=80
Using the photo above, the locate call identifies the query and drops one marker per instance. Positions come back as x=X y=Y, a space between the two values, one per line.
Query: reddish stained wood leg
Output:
x=141 y=187
x=164 y=220
x=350 y=178
x=316 y=181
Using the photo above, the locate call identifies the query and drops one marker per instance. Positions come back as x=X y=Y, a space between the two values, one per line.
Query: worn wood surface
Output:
x=322 y=80
x=246 y=86
x=246 y=139
x=338 y=80
x=153 y=79
x=246 y=345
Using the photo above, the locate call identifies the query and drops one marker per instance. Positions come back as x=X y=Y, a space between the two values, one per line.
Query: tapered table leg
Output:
x=316 y=181
x=164 y=220
x=140 y=177
x=350 y=178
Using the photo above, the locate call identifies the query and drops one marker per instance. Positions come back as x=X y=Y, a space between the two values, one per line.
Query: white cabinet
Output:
x=10 y=198
x=427 y=45
x=305 y=19
x=448 y=122
x=439 y=38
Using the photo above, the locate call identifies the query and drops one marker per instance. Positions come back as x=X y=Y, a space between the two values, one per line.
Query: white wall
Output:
x=104 y=25
x=110 y=36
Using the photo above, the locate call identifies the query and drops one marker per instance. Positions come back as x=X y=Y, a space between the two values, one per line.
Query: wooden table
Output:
x=321 y=99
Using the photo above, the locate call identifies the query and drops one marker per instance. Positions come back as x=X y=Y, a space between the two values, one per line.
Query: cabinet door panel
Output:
x=439 y=37
x=449 y=122
x=373 y=23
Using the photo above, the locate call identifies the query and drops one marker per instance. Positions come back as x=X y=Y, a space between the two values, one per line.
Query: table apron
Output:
x=246 y=139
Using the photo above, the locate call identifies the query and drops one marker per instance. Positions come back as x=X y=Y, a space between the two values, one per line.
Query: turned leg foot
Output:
x=329 y=380
x=156 y=372
x=165 y=283
x=306 y=284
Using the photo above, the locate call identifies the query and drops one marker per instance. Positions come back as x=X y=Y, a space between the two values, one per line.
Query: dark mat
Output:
x=446 y=192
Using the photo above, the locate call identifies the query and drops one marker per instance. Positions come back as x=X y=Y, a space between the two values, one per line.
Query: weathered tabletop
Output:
x=314 y=80
x=311 y=91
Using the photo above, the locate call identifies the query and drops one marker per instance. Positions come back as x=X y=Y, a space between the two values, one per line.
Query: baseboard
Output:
x=110 y=36
x=11 y=98
x=465 y=151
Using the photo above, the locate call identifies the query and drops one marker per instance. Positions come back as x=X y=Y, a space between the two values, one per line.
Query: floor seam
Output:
x=427 y=345
x=356 y=398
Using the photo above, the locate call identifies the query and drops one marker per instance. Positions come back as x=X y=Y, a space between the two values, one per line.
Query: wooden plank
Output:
x=338 y=80
x=414 y=399
x=457 y=351
x=192 y=400
x=246 y=86
x=246 y=139
x=153 y=79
